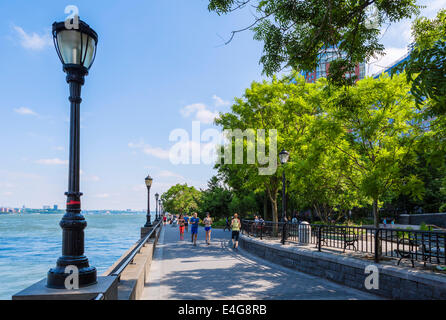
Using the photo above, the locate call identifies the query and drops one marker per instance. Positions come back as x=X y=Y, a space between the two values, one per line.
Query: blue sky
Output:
x=160 y=65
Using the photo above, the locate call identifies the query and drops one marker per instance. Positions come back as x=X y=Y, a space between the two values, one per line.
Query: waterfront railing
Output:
x=401 y=244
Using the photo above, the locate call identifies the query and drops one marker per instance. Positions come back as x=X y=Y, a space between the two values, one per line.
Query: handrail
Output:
x=118 y=269
x=352 y=227
x=100 y=297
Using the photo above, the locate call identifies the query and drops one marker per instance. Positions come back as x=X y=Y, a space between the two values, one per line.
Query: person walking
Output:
x=181 y=226
x=235 y=226
x=164 y=220
x=194 y=221
x=207 y=227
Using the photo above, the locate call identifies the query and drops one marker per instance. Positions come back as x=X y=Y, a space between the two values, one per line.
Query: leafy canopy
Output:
x=181 y=198
x=426 y=66
x=294 y=32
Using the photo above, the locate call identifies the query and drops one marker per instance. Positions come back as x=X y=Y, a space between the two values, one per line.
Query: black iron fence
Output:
x=413 y=245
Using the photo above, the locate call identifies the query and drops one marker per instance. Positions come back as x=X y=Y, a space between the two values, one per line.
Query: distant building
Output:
x=46 y=207
x=323 y=67
x=55 y=207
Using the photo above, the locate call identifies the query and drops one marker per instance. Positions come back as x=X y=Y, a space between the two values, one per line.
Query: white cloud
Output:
x=101 y=196
x=7 y=194
x=6 y=185
x=433 y=7
x=87 y=177
x=25 y=111
x=139 y=188
x=147 y=149
x=170 y=174
x=59 y=148
x=52 y=162
x=201 y=112
x=381 y=63
x=398 y=36
x=219 y=102
x=33 y=41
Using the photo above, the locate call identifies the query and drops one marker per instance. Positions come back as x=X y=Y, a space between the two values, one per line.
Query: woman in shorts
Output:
x=235 y=226
x=181 y=223
x=207 y=227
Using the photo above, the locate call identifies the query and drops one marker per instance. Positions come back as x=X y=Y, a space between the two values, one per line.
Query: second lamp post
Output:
x=156 y=205
x=148 y=181
x=284 y=156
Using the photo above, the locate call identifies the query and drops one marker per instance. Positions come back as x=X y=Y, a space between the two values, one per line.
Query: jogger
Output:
x=207 y=227
x=181 y=223
x=194 y=221
x=235 y=226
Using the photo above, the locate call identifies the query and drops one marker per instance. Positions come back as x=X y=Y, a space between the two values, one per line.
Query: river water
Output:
x=30 y=245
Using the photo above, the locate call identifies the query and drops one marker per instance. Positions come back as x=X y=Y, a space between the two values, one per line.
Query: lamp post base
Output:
x=107 y=286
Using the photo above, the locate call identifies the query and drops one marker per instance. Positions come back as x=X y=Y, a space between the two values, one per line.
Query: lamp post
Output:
x=76 y=49
x=149 y=181
x=284 y=156
x=156 y=205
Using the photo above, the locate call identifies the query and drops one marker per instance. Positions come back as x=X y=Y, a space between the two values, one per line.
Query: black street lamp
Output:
x=156 y=205
x=284 y=156
x=76 y=49
x=149 y=181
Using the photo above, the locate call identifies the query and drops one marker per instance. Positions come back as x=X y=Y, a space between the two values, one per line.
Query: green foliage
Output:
x=181 y=198
x=350 y=147
x=276 y=105
x=295 y=32
x=216 y=199
x=426 y=67
x=375 y=124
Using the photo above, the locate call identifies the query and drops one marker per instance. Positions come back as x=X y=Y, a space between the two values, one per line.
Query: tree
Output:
x=295 y=32
x=181 y=198
x=426 y=66
x=216 y=199
x=280 y=105
x=321 y=178
x=377 y=126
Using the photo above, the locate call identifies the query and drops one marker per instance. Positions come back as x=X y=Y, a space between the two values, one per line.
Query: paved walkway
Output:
x=181 y=271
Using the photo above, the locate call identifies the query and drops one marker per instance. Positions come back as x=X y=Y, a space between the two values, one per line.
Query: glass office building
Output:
x=323 y=67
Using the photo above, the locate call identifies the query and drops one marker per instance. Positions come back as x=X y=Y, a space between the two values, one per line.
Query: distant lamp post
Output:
x=284 y=156
x=160 y=206
x=149 y=181
x=156 y=205
x=76 y=49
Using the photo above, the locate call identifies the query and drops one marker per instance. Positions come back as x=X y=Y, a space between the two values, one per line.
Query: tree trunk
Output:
x=375 y=213
x=376 y=222
x=272 y=194
x=265 y=207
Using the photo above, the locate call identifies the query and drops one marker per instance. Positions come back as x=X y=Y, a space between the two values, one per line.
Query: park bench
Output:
x=347 y=236
x=426 y=245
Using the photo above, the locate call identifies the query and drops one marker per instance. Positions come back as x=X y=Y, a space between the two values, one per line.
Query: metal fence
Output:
x=413 y=245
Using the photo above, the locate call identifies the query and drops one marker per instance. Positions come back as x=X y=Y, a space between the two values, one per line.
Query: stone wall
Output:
x=394 y=282
x=438 y=219
x=134 y=276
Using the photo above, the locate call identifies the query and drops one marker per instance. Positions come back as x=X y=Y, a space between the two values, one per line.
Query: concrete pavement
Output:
x=181 y=271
